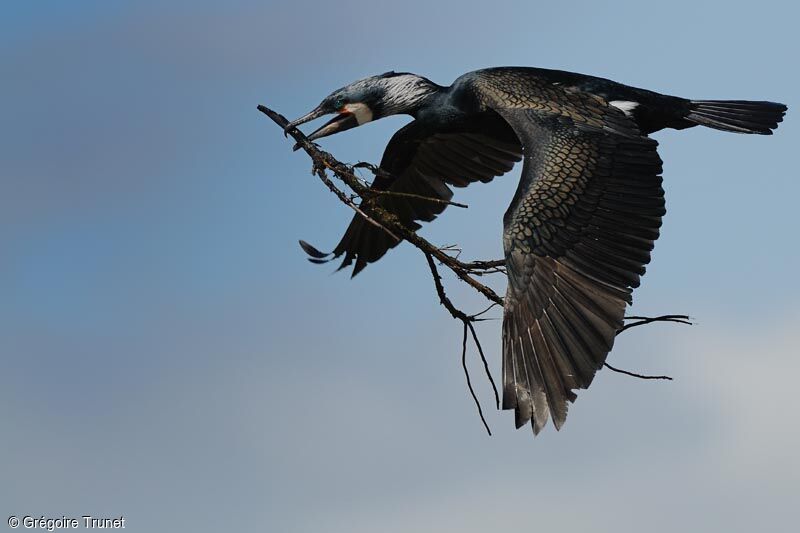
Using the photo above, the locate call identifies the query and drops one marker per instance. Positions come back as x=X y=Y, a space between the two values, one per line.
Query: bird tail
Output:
x=740 y=116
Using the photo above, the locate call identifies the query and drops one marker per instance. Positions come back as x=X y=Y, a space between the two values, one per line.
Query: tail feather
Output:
x=740 y=116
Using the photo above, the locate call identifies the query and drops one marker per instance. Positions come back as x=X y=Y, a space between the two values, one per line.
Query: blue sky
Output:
x=169 y=355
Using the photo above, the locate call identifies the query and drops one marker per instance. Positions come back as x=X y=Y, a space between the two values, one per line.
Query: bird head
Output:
x=366 y=100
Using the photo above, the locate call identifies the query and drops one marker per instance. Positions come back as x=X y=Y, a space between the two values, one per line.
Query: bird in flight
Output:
x=582 y=223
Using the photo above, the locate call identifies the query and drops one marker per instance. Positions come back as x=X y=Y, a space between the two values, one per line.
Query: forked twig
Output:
x=640 y=321
x=467 y=320
x=464 y=271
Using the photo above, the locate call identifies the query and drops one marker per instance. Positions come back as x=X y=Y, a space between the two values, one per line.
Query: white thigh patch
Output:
x=625 y=106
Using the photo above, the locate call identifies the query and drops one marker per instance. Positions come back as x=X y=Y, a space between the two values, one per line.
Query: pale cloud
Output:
x=749 y=375
x=726 y=459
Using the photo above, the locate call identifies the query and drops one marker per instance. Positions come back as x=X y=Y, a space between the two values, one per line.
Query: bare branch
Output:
x=467 y=320
x=642 y=320
x=375 y=192
x=443 y=299
x=349 y=202
x=377 y=171
x=634 y=374
x=465 y=271
x=469 y=382
x=323 y=160
x=485 y=362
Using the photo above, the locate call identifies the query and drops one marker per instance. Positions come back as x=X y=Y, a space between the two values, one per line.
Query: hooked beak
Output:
x=341 y=122
x=318 y=112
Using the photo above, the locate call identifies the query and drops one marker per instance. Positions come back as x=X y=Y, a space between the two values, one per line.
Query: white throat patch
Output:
x=361 y=111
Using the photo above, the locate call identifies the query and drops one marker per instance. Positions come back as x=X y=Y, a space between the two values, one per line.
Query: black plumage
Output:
x=580 y=228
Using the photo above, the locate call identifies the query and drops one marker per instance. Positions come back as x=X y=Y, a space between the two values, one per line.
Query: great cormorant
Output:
x=580 y=228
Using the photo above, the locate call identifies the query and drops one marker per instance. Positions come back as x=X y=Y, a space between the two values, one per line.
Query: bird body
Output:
x=582 y=223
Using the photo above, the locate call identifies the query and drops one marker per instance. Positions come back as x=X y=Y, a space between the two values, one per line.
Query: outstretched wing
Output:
x=424 y=163
x=577 y=236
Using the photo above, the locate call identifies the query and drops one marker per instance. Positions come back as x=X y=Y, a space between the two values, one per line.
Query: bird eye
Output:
x=339 y=103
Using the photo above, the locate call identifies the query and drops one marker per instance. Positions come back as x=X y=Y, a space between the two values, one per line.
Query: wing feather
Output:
x=577 y=237
x=427 y=163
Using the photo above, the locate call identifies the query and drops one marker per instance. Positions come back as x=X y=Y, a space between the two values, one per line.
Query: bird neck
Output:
x=408 y=94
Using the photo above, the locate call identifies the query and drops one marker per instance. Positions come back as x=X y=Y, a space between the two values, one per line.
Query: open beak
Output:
x=341 y=122
x=318 y=112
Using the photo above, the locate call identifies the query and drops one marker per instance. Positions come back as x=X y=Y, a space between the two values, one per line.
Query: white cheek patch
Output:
x=361 y=111
x=625 y=106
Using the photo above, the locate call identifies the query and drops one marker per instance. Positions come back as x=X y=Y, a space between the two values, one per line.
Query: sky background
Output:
x=169 y=355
